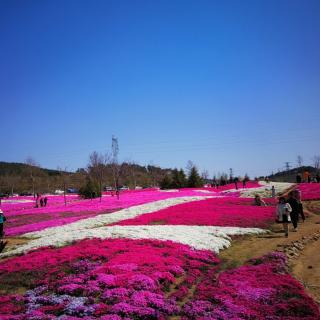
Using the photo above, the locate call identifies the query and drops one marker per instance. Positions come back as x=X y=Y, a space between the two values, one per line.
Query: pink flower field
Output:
x=92 y=274
x=144 y=279
x=227 y=211
x=24 y=217
x=309 y=191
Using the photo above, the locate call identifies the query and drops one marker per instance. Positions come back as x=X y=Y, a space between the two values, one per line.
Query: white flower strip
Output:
x=264 y=191
x=198 y=237
x=17 y=201
x=204 y=191
x=104 y=219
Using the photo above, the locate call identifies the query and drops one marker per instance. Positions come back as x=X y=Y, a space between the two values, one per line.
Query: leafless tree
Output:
x=32 y=166
x=97 y=168
x=205 y=175
x=132 y=172
x=299 y=160
x=151 y=169
x=64 y=177
x=316 y=161
x=189 y=167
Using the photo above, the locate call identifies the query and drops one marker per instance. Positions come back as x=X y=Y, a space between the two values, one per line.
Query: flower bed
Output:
x=260 y=290
x=309 y=191
x=143 y=279
x=228 y=211
x=119 y=278
x=24 y=218
x=33 y=222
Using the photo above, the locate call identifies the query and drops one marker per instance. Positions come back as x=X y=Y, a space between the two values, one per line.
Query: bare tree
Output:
x=132 y=171
x=299 y=160
x=189 y=167
x=32 y=169
x=97 y=168
x=205 y=175
x=316 y=161
x=64 y=177
x=152 y=170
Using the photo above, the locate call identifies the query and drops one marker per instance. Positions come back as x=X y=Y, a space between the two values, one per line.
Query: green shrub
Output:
x=90 y=190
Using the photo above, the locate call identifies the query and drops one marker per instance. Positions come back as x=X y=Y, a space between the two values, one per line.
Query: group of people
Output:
x=41 y=201
x=307 y=177
x=215 y=183
x=289 y=210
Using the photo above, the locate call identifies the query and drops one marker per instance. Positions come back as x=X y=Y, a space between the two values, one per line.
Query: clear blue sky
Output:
x=222 y=83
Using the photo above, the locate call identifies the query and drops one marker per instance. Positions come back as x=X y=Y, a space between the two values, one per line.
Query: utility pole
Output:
x=231 y=174
x=116 y=170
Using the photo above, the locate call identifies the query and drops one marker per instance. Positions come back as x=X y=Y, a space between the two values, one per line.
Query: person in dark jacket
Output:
x=297 y=210
x=298 y=178
x=236 y=180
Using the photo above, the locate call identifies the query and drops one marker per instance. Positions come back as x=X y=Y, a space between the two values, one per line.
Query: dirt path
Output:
x=305 y=267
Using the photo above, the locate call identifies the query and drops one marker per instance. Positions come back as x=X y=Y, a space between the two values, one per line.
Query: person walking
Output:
x=45 y=201
x=296 y=210
x=283 y=214
x=297 y=195
x=298 y=178
x=273 y=192
x=244 y=182
x=37 y=200
x=236 y=180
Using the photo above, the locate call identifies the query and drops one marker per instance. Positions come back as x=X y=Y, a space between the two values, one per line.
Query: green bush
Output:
x=90 y=190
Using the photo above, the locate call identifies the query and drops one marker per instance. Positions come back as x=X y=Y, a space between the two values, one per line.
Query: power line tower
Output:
x=115 y=149
x=287 y=165
x=231 y=173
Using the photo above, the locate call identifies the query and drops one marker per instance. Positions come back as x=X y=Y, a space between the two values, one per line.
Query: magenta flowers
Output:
x=309 y=191
x=229 y=211
x=139 y=279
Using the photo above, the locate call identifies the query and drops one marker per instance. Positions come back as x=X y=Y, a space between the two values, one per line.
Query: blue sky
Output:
x=222 y=83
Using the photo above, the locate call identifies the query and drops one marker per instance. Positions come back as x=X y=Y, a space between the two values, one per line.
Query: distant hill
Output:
x=290 y=175
x=20 y=177
x=13 y=168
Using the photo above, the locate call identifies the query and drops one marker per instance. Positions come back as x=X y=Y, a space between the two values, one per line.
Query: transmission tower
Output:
x=115 y=149
x=231 y=173
x=287 y=166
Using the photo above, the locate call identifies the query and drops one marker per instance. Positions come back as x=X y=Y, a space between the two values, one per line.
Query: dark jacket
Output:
x=297 y=208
